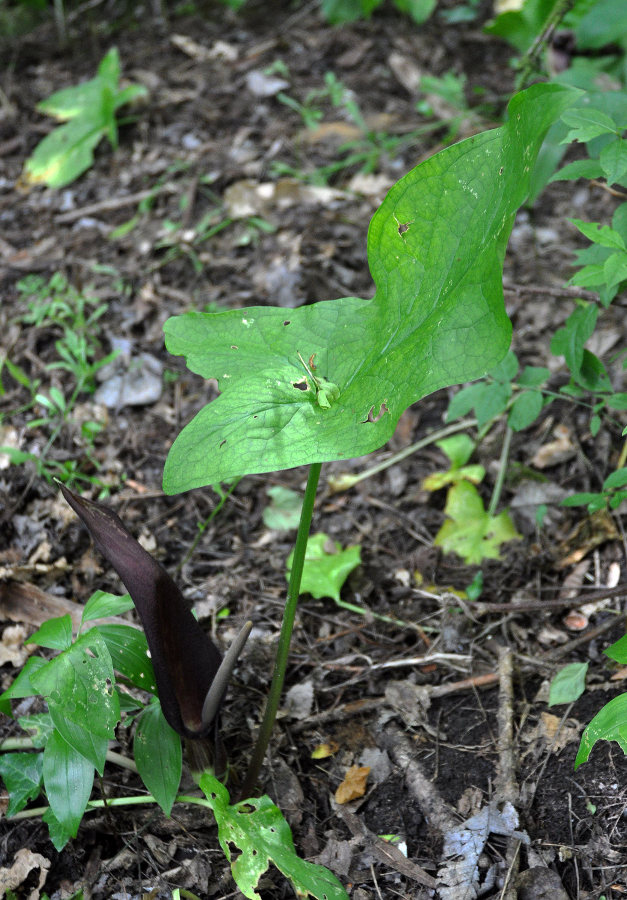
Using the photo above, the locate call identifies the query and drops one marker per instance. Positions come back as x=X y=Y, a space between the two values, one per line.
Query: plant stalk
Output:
x=283 y=649
x=500 y=478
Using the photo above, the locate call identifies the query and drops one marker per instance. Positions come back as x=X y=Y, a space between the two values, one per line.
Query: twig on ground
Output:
x=383 y=851
x=373 y=704
x=506 y=785
x=113 y=203
x=438 y=814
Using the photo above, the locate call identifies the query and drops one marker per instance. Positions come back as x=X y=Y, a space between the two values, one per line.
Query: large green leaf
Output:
x=435 y=248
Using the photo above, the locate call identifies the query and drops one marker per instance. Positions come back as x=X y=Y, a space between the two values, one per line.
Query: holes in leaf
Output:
x=234 y=347
x=287 y=322
x=302 y=385
x=222 y=443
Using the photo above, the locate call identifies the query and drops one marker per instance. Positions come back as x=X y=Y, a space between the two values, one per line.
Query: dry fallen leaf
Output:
x=557 y=451
x=23 y=864
x=354 y=784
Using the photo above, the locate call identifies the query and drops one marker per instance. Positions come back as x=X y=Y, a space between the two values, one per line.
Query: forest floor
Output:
x=448 y=705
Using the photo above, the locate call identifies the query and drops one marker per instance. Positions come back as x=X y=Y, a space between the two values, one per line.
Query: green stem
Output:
x=138 y=800
x=528 y=63
x=280 y=664
x=224 y=496
x=500 y=478
x=346 y=481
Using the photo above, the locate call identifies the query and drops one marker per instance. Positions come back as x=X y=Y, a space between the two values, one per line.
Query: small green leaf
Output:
x=326 y=567
x=465 y=400
x=533 y=376
x=525 y=410
x=283 y=513
x=22 y=774
x=22 y=686
x=582 y=499
x=616 y=479
x=257 y=829
x=615 y=268
x=102 y=604
x=68 y=778
x=587 y=124
x=613 y=159
x=493 y=402
x=600 y=234
x=580 y=168
x=56 y=634
x=506 y=369
x=609 y=724
x=568 y=684
x=470 y=531
x=458 y=447
x=158 y=755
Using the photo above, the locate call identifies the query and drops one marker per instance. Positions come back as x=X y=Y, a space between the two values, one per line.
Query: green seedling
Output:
x=89 y=111
x=75 y=317
x=364 y=152
x=610 y=723
x=470 y=531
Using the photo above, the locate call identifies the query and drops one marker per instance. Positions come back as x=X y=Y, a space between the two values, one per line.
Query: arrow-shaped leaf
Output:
x=435 y=249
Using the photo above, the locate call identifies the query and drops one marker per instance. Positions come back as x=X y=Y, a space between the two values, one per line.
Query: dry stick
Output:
x=374 y=704
x=480 y=608
x=438 y=814
x=383 y=851
x=113 y=203
x=559 y=293
x=565 y=649
x=506 y=787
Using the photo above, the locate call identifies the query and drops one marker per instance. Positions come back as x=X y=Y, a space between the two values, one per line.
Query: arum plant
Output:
x=190 y=673
x=330 y=380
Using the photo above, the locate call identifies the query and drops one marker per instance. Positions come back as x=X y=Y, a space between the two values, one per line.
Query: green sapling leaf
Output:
x=435 y=249
x=22 y=686
x=568 y=684
x=158 y=755
x=326 y=567
x=257 y=829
